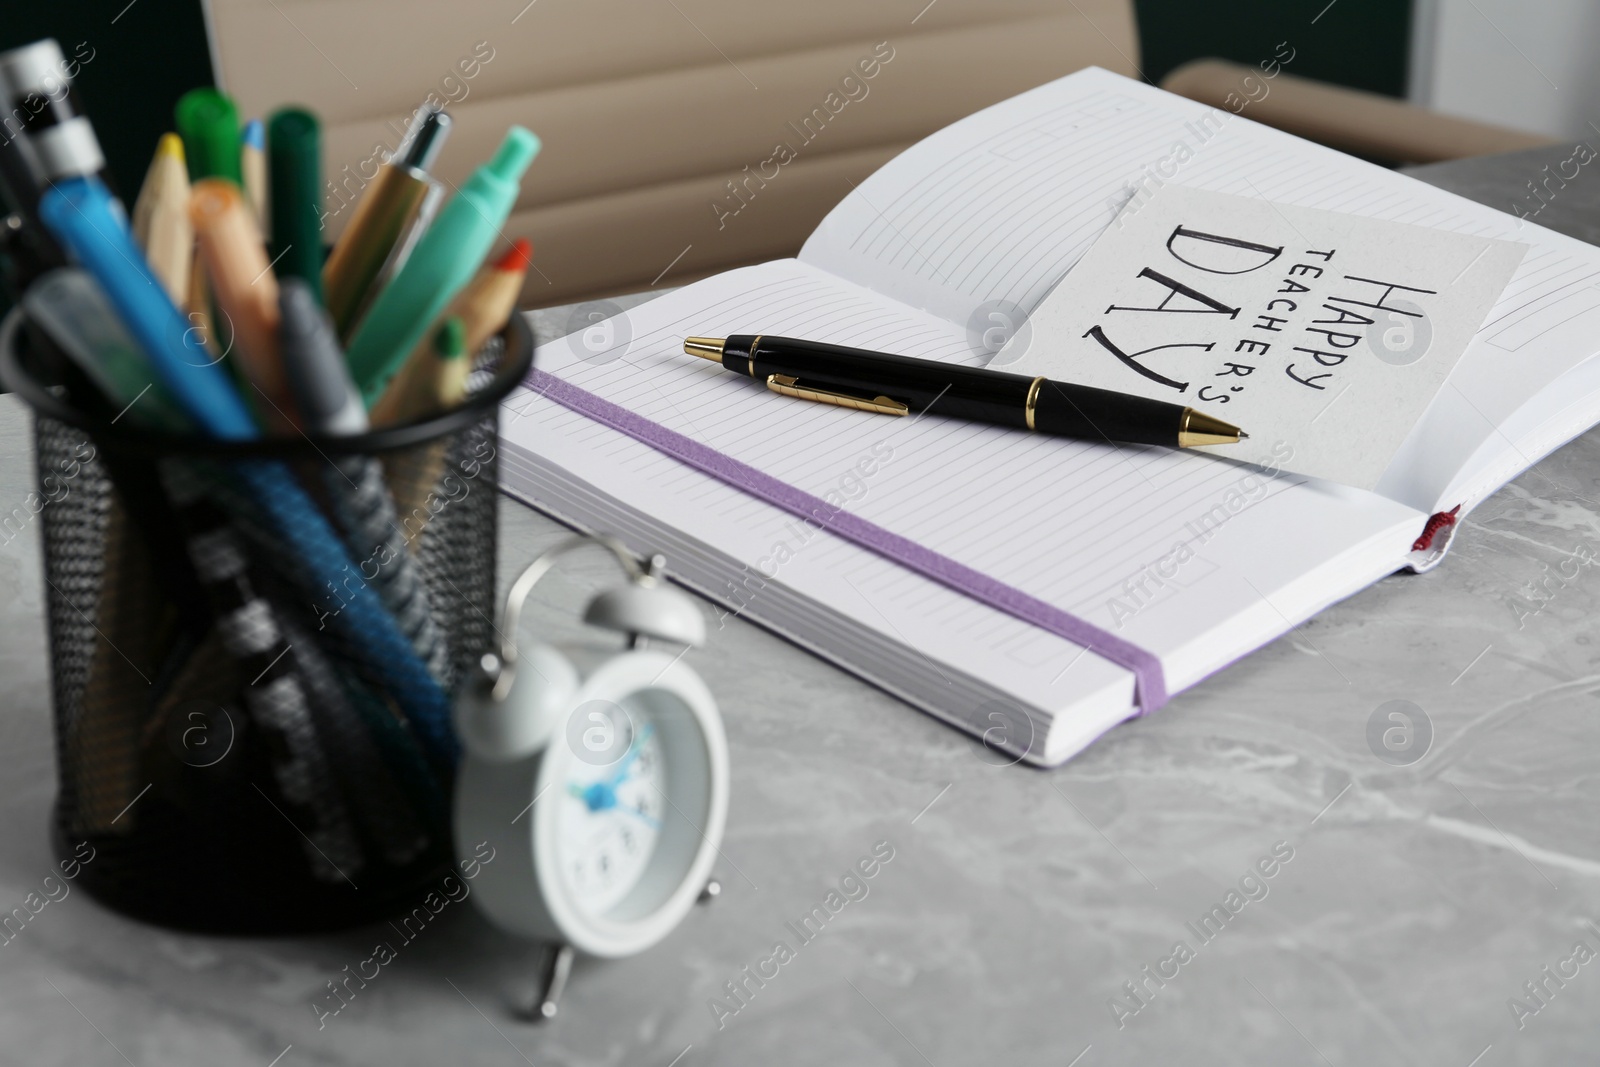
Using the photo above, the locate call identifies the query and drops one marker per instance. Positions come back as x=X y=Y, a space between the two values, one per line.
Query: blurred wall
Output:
x=1488 y=59
x=669 y=136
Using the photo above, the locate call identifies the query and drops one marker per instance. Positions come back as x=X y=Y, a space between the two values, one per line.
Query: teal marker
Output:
x=443 y=261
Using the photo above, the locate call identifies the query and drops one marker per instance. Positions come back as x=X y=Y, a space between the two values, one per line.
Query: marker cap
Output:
x=61 y=140
x=294 y=160
x=514 y=155
x=209 y=124
x=33 y=68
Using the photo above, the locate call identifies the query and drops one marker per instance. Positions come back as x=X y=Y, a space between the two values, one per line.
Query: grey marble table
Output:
x=1408 y=904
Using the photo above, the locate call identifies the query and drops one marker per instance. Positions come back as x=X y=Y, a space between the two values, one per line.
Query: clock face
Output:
x=610 y=814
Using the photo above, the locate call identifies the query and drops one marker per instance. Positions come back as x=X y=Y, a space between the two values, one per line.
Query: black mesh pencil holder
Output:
x=253 y=647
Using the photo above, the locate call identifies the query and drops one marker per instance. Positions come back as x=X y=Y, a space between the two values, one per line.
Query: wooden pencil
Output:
x=438 y=383
x=161 y=218
x=246 y=294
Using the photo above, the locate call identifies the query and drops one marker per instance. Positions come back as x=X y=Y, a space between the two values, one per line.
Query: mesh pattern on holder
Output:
x=228 y=745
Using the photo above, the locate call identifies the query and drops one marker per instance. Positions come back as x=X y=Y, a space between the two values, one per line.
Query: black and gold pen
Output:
x=896 y=385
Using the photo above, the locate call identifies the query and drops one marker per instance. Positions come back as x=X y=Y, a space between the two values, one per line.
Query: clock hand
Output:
x=602 y=796
x=633 y=753
x=597 y=796
x=649 y=820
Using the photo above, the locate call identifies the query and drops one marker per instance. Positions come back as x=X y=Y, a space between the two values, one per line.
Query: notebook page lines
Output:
x=955 y=215
x=960 y=227
x=936 y=194
x=1027 y=510
x=946 y=631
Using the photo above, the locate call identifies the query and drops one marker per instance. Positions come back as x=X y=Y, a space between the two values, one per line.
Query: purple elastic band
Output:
x=1150 y=682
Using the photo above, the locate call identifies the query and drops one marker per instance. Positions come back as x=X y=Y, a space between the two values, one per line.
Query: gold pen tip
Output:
x=1198 y=428
x=704 y=347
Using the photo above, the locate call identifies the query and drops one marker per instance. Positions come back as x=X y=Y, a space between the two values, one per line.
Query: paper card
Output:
x=1322 y=335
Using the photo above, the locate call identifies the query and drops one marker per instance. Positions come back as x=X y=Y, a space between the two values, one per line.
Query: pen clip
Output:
x=882 y=405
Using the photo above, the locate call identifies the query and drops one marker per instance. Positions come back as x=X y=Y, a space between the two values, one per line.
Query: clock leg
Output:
x=558 y=966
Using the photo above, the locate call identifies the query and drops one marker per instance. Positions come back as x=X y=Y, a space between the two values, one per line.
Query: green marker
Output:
x=294 y=164
x=209 y=125
x=443 y=261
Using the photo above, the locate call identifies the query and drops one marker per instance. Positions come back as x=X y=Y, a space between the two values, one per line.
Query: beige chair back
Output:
x=681 y=137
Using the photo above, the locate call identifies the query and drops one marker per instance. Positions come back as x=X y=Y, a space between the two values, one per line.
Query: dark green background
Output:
x=1360 y=43
x=153 y=53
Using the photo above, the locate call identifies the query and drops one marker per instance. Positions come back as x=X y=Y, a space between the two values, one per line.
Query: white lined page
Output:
x=1069 y=522
x=1000 y=205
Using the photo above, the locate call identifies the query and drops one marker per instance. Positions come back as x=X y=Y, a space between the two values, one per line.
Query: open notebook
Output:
x=1191 y=560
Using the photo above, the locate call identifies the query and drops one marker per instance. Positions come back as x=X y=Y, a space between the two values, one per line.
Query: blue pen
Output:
x=82 y=215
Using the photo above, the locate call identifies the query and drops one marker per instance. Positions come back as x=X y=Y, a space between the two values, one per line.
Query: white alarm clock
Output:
x=598 y=775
